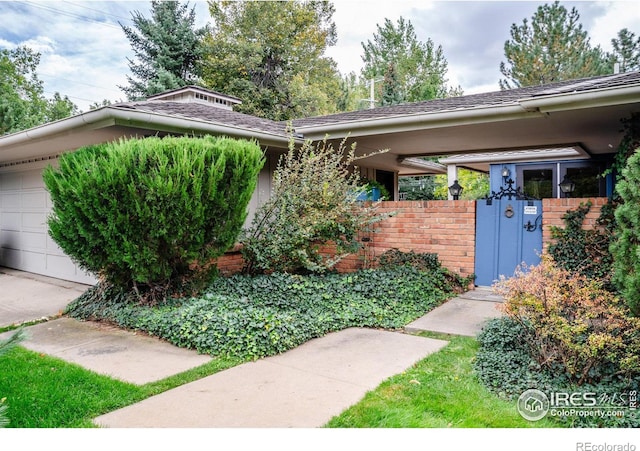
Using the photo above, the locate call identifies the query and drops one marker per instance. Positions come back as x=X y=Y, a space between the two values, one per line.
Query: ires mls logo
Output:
x=533 y=404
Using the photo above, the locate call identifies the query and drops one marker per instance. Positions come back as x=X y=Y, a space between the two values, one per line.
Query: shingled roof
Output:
x=489 y=99
x=497 y=98
x=207 y=113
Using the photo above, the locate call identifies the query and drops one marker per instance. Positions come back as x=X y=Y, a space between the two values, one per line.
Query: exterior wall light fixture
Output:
x=455 y=190
x=567 y=186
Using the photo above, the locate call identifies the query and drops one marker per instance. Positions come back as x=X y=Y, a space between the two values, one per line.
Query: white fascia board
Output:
x=94 y=117
x=427 y=167
x=418 y=121
x=108 y=116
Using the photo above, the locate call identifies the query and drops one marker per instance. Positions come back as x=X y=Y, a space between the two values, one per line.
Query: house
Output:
x=561 y=128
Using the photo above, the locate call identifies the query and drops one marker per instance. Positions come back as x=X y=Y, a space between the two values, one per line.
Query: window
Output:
x=538 y=181
x=588 y=180
x=541 y=180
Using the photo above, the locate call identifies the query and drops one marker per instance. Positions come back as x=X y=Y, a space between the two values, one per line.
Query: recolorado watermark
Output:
x=588 y=446
x=534 y=405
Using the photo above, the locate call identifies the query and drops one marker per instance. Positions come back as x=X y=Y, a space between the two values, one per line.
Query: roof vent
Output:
x=196 y=94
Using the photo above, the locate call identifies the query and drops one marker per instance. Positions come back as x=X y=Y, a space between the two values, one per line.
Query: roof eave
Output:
x=188 y=125
x=418 y=121
x=113 y=115
x=520 y=109
x=583 y=99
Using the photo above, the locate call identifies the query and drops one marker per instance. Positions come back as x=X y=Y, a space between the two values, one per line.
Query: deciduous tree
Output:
x=22 y=101
x=271 y=55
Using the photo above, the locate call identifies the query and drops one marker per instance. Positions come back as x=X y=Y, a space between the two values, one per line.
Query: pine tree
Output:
x=552 y=47
x=626 y=51
x=167 y=48
x=391 y=89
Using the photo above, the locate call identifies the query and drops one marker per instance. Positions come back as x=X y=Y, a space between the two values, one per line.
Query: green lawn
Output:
x=46 y=392
x=440 y=391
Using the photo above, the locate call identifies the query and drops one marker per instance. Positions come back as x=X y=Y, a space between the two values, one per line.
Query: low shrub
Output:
x=573 y=324
x=252 y=317
x=150 y=213
x=506 y=365
x=313 y=203
x=426 y=262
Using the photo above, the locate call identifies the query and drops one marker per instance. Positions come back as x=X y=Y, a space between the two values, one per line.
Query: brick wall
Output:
x=446 y=228
x=554 y=209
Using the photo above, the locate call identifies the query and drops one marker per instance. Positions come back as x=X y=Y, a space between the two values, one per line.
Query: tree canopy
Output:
x=271 y=55
x=626 y=50
x=167 y=49
x=412 y=70
x=22 y=101
x=552 y=47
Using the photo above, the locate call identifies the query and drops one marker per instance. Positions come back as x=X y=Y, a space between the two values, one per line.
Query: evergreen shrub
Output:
x=150 y=214
x=626 y=244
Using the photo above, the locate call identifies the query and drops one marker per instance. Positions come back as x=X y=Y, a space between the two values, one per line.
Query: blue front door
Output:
x=508 y=233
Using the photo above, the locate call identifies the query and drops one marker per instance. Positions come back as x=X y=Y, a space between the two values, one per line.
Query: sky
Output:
x=84 y=51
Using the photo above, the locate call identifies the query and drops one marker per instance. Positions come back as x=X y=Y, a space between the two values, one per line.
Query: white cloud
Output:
x=40 y=44
x=618 y=15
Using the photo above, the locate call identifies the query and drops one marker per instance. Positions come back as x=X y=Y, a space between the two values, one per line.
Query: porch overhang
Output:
x=550 y=125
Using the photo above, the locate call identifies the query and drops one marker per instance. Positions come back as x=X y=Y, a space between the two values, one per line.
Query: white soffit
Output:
x=574 y=152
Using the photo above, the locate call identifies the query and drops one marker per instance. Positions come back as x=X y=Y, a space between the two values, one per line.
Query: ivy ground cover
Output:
x=253 y=317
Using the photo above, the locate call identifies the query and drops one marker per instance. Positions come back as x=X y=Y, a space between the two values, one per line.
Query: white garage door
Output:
x=24 y=241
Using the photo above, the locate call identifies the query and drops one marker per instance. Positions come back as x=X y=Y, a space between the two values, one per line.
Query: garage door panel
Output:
x=34 y=241
x=36 y=200
x=10 y=221
x=32 y=179
x=11 y=258
x=10 y=239
x=10 y=181
x=34 y=262
x=34 y=220
x=10 y=200
x=25 y=243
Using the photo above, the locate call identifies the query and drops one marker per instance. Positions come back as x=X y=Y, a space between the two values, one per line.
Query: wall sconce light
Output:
x=506 y=173
x=567 y=186
x=455 y=190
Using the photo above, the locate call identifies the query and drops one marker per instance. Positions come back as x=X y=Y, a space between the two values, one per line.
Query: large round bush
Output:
x=149 y=213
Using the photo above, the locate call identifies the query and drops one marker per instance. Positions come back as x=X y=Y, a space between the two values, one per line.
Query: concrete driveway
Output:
x=27 y=297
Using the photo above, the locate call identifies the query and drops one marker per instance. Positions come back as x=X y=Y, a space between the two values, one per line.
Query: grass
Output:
x=440 y=391
x=46 y=392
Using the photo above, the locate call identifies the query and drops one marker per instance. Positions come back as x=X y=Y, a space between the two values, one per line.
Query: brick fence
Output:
x=446 y=228
x=554 y=209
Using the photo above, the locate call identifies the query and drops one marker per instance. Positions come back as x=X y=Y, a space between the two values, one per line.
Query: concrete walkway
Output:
x=27 y=297
x=303 y=387
x=462 y=315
